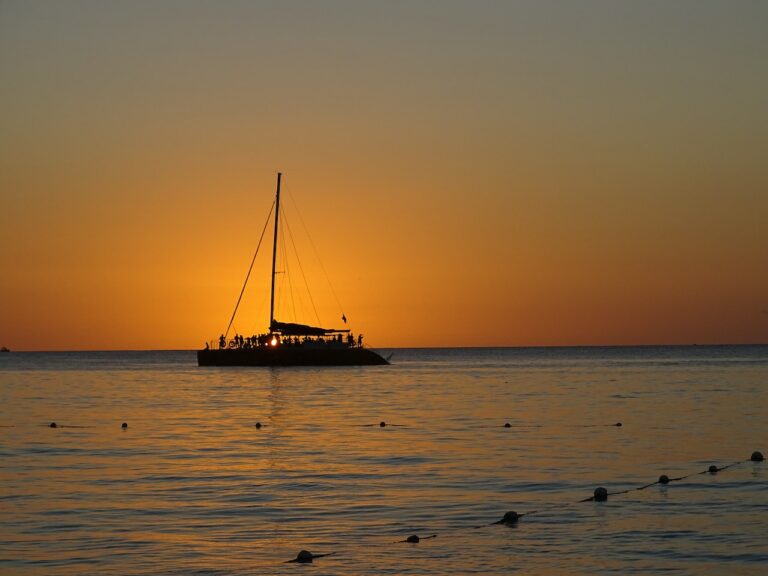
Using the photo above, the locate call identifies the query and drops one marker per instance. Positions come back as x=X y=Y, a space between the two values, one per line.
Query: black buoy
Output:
x=510 y=518
x=507 y=425
x=757 y=457
x=53 y=425
x=663 y=479
x=713 y=469
x=257 y=425
x=382 y=424
x=413 y=539
x=124 y=425
x=304 y=556
x=600 y=494
x=618 y=424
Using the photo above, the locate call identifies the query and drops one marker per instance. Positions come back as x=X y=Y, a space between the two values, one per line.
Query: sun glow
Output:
x=629 y=209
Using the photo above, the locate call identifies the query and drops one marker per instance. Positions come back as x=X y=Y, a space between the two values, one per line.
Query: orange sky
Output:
x=471 y=173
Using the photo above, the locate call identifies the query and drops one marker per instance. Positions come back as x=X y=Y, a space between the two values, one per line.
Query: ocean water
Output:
x=193 y=487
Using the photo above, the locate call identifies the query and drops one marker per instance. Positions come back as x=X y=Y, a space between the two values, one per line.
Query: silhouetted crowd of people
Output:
x=272 y=339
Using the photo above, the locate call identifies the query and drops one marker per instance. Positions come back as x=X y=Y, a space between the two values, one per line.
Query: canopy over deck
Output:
x=291 y=329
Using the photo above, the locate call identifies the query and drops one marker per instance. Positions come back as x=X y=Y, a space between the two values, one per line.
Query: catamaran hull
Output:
x=287 y=356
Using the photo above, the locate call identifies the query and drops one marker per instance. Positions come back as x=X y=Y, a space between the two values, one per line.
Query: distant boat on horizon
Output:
x=4 y=349
x=288 y=343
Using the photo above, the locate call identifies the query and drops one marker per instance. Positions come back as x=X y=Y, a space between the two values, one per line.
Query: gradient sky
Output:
x=472 y=173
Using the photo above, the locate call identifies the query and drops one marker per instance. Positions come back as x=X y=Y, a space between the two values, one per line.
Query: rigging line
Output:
x=288 y=270
x=290 y=290
x=280 y=288
x=250 y=268
x=285 y=280
x=301 y=268
x=317 y=254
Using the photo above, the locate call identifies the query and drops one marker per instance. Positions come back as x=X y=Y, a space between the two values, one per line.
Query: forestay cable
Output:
x=226 y=332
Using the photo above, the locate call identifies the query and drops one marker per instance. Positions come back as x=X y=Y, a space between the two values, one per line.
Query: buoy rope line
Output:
x=512 y=518
x=601 y=494
x=381 y=424
x=384 y=424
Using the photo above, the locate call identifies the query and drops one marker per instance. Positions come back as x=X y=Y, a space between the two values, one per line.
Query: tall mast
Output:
x=274 y=256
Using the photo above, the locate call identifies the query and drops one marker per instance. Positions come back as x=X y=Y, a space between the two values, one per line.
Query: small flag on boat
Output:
x=344 y=318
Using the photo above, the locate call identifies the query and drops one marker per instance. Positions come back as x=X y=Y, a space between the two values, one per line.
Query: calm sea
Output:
x=191 y=486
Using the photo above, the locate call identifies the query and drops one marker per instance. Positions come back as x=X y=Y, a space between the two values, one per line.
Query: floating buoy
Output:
x=600 y=494
x=124 y=425
x=507 y=425
x=412 y=539
x=663 y=479
x=53 y=425
x=382 y=424
x=257 y=425
x=510 y=518
x=304 y=556
x=713 y=469
x=756 y=457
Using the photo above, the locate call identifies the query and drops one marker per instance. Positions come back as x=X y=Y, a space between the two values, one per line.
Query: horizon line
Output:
x=492 y=347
